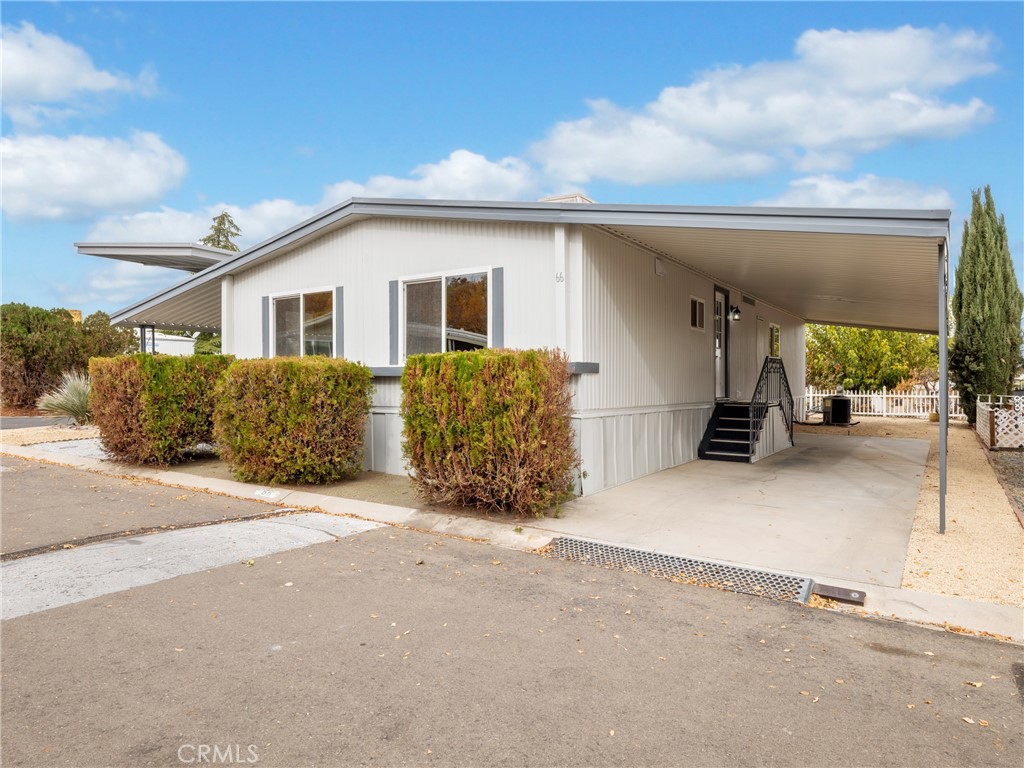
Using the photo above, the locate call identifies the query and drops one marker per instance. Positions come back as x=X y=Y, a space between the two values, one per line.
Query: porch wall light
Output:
x=734 y=313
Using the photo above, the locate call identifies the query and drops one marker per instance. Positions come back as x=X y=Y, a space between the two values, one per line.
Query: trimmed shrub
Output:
x=490 y=428
x=70 y=399
x=154 y=409
x=293 y=420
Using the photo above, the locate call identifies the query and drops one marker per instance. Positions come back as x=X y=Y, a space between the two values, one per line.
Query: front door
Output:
x=721 y=347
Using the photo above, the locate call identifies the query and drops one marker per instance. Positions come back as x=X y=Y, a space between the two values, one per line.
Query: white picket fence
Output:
x=1000 y=421
x=917 y=403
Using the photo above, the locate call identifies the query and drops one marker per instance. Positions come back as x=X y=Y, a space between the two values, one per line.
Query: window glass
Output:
x=697 y=314
x=466 y=312
x=318 y=324
x=774 y=340
x=423 y=330
x=287 y=329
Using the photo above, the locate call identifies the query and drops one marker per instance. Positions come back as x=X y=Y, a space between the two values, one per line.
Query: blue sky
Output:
x=140 y=121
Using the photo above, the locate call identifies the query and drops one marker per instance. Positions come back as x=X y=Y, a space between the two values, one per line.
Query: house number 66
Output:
x=559 y=277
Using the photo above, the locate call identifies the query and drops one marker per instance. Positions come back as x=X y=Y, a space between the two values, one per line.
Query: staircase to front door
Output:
x=728 y=436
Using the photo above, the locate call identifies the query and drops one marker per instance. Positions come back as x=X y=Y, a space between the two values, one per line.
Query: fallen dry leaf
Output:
x=910 y=706
x=983 y=723
x=805 y=693
x=840 y=681
x=967 y=720
x=973 y=684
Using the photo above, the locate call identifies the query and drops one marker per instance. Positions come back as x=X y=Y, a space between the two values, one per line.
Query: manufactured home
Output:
x=671 y=316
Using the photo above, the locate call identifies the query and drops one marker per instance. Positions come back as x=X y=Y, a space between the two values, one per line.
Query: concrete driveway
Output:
x=830 y=507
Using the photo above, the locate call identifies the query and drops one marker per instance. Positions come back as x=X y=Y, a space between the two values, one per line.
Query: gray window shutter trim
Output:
x=498 y=309
x=393 y=311
x=266 y=325
x=339 y=321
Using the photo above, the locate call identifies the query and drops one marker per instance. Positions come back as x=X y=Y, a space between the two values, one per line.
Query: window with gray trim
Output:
x=445 y=314
x=304 y=324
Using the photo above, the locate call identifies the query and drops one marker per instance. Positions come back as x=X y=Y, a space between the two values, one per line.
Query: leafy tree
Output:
x=987 y=306
x=207 y=344
x=222 y=231
x=38 y=346
x=868 y=359
x=101 y=339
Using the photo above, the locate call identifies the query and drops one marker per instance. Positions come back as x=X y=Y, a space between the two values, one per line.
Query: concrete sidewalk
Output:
x=882 y=601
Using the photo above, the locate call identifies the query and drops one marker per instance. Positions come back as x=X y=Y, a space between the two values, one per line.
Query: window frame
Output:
x=703 y=314
x=300 y=295
x=443 y=276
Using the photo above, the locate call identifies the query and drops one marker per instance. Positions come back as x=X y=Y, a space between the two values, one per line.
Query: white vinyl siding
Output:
x=637 y=328
x=367 y=256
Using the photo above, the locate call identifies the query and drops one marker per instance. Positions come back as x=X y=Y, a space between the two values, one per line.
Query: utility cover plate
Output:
x=839 y=593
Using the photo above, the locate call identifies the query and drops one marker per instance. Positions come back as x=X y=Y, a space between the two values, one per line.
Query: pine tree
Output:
x=987 y=306
x=222 y=230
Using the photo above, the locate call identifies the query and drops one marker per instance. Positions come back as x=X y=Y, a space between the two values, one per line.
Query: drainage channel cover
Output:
x=702 y=573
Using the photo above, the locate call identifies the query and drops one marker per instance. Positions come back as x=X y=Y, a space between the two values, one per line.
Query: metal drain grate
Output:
x=703 y=573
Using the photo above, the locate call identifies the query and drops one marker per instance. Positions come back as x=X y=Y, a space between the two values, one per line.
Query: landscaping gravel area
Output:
x=1009 y=466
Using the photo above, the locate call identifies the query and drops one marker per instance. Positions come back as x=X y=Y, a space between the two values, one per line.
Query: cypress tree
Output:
x=223 y=230
x=987 y=306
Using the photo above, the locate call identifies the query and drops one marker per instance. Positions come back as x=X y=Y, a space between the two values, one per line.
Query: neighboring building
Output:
x=663 y=310
x=166 y=343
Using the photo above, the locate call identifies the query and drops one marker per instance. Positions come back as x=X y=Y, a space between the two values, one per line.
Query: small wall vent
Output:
x=750 y=301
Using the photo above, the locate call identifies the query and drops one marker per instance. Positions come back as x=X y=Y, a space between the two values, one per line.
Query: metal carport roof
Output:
x=868 y=268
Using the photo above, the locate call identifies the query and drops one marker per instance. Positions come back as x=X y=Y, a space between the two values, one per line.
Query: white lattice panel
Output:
x=1010 y=425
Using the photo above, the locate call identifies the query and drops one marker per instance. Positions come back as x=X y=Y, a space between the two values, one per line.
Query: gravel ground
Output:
x=1009 y=466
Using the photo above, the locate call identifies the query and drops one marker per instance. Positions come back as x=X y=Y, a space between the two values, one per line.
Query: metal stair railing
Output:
x=772 y=389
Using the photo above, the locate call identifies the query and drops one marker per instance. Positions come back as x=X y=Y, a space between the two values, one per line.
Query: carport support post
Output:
x=943 y=377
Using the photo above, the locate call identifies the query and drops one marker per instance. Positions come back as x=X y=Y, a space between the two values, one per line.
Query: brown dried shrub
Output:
x=490 y=428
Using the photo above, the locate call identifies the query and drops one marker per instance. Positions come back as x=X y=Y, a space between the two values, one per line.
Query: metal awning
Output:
x=191 y=257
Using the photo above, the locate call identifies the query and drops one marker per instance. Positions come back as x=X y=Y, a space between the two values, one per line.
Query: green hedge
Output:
x=154 y=409
x=490 y=428
x=293 y=420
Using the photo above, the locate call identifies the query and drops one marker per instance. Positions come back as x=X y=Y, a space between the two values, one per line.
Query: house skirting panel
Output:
x=615 y=446
x=622 y=445
x=774 y=436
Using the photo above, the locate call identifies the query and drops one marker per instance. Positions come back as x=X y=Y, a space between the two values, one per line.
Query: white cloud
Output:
x=868 y=191
x=463 y=175
x=40 y=69
x=169 y=225
x=48 y=177
x=117 y=283
x=843 y=94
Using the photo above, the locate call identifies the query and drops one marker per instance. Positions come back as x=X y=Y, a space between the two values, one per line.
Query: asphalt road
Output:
x=393 y=647
x=21 y=422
